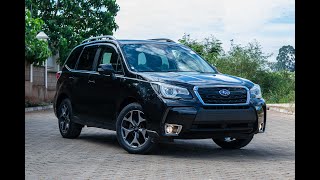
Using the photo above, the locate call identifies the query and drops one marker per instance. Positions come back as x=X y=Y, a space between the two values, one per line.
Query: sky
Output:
x=270 y=22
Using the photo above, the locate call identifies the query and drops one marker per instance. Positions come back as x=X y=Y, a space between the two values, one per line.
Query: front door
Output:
x=104 y=89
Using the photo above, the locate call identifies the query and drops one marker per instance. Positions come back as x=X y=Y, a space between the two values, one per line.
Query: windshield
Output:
x=164 y=58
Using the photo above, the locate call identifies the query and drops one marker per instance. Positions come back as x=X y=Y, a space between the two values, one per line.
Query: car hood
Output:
x=195 y=78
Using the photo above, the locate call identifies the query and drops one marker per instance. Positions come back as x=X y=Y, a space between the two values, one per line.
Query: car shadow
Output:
x=201 y=149
x=197 y=149
x=100 y=138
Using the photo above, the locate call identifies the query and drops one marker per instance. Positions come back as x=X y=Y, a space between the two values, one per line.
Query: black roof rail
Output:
x=107 y=37
x=162 y=39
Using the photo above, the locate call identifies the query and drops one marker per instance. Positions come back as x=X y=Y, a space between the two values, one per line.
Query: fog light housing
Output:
x=172 y=129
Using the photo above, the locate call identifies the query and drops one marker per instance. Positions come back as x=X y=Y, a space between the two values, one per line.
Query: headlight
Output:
x=255 y=91
x=170 y=91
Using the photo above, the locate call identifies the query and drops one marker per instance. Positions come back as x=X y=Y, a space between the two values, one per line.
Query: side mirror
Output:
x=106 y=69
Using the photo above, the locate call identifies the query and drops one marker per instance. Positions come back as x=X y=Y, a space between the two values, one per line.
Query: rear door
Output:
x=81 y=98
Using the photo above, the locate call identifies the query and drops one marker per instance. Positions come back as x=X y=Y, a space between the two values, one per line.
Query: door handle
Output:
x=71 y=77
x=91 y=81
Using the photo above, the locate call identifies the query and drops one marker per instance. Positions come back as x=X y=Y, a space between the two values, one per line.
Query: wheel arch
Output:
x=125 y=102
x=61 y=97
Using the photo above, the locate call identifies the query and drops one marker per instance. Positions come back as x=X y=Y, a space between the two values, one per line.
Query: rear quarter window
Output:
x=73 y=57
x=86 y=58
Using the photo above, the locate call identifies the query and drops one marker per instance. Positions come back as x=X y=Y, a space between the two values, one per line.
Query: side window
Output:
x=72 y=60
x=86 y=58
x=108 y=55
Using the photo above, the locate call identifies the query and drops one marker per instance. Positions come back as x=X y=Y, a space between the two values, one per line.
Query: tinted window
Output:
x=108 y=55
x=72 y=60
x=164 y=58
x=86 y=59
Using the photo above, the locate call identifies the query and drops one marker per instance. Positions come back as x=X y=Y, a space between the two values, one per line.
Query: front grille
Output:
x=211 y=95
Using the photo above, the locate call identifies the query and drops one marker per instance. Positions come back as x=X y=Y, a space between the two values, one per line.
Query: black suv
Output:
x=148 y=90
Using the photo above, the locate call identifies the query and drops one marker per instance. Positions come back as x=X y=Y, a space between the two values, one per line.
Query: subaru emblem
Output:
x=224 y=92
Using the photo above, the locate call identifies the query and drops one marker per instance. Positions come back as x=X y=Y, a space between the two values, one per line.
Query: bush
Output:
x=34 y=102
x=277 y=87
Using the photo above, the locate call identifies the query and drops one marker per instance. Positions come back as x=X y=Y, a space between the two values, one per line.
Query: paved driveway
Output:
x=96 y=154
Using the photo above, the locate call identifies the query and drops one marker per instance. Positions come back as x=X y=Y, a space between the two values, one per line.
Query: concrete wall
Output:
x=26 y=71
x=38 y=76
x=52 y=81
x=36 y=91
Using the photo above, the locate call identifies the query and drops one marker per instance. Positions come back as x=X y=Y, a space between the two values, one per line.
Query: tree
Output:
x=36 y=51
x=210 y=49
x=243 y=61
x=67 y=23
x=285 y=59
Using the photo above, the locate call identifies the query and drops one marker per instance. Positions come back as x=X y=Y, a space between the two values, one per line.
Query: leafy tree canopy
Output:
x=36 y=51
x=285 y=59
x=67 y=23
x=244 y=61
x=208 y=47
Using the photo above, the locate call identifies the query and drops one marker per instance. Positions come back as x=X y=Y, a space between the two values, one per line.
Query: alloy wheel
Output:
x=64 y=118
x=133 y=129
x=229 y=139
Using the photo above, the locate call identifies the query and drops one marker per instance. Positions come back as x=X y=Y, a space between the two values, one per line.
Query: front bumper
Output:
x=214 y=121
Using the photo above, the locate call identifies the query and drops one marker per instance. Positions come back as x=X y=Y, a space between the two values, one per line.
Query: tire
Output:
x=232 y=143
x=131 y=130
x=68 y=129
